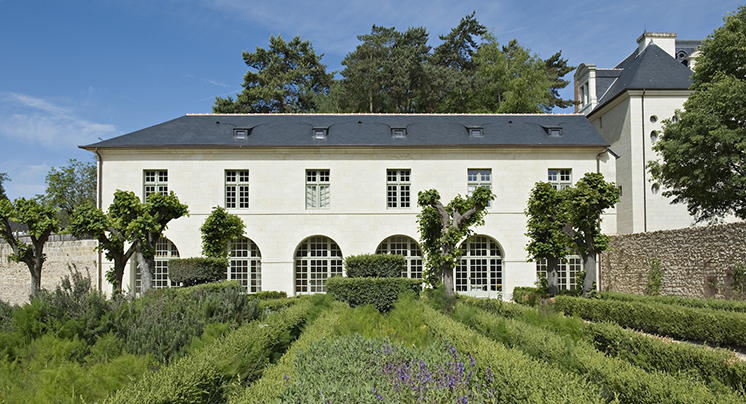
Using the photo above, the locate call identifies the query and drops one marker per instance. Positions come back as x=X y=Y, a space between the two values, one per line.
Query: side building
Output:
x=627 y=104
x=315 y=188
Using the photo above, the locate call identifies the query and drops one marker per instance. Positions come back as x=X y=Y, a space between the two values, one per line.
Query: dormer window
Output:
x=241 y=133
x=399 y=133
x=554 y=132
x=476 y=132
x=320 y=133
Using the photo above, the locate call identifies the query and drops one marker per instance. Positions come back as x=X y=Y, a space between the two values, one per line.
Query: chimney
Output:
x=664 y=40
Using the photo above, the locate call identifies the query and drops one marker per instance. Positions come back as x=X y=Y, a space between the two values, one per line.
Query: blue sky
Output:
x=74 y=71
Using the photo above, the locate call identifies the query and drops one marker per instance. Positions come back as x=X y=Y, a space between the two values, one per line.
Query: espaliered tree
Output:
x=570 y=219
x=218 y=231
x=111 y=231
x=444 y=228
x=147 y=227
x=546 y=230
x=41 y=221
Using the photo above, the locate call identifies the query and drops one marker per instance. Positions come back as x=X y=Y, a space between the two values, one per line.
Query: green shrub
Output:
x=528 y=296
x=718 y=327
x=196 y=271
x=375 y=266
x=380 y=292
x=237 y=359
x=655 y=281
x=6 y=315
x=714 y=304
x=615 y=377
x=270 y=294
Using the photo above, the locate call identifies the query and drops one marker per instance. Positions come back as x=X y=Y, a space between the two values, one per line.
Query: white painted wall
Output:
x=358 y=218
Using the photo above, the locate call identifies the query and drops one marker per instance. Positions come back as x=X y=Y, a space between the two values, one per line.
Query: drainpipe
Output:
x=100 y=207
x=644 y=171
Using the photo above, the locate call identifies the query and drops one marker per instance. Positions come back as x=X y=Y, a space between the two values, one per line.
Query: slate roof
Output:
x=652 y=69
x=360 y=130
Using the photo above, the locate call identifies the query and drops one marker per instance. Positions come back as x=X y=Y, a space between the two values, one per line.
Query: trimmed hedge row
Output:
x=197 y=270
x=241 y=356
x=687 y=323
x=276 y=377
x=517 y=377
x=375 y=266
x=380 y=292
x=714 y=304
x=528 y=296
x=270 y=294
x=616 y=377
x=712 y=366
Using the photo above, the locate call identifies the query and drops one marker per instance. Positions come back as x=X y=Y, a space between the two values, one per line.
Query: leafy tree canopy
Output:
x=703 y=152
x=285 y=78
x=219 y=229
x=3 y=178
x=71 y=186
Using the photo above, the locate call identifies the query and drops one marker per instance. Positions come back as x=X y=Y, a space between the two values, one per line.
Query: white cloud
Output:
x=37 y=121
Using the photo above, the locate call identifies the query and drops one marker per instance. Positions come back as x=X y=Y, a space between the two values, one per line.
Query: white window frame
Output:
x=236 y=189
x=154 y=181
x=165 y=250
x=409 y=249
x=246 y=264
x=560 y=178
x=478 y=177
x=318 y=189
x=316 y=259
x=398 y=188
x=480 y=269
x=567 y=272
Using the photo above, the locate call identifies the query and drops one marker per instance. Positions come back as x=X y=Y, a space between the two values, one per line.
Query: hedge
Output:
x=712 y=366
x=517 y=377
x=380 y=292
x=270 y=294
x=198 y=270
x=375 y=266
x=615 y=377
x=203 y=376
x=713 y=326
x=276 y=377
x=714 y=304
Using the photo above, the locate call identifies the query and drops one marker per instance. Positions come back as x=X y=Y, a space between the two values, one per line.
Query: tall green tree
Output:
x=71 y=186
x=111 y=231
x=41 y=221
x=218 y=231
x=3 y=178
x=584 y=204
x=444 y=228
x=150 y=221
x=556 y=69
x=545 y=227
x=509 y=79
x=703 y=152
x=285 y=78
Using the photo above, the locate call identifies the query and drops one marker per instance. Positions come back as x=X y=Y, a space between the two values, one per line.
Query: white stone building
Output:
x=627 y=105
x=314 y=188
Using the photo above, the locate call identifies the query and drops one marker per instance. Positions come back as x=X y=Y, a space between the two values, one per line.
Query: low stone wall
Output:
x=15 y=280
x=694 y=262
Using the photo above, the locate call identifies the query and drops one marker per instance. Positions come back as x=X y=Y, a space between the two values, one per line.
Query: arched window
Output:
x=165 y=250
x=567 y=272
x=480 y=268
x=407 y=247
x=316 y=259
x=246 y=264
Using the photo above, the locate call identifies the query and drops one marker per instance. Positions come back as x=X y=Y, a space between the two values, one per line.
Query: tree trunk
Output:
x=35 y=280
x=147 y=268
x=589 y=266
x=446 y=273
x=552 y=278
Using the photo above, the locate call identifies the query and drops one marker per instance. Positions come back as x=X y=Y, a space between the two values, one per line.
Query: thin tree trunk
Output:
x=589 y=266
x=552 y=278
x=35 y=280
x=447 y=276
x=146 y=266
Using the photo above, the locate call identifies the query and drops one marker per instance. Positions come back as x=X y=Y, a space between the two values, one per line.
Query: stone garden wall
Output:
x=15 y=280
x=694 y=262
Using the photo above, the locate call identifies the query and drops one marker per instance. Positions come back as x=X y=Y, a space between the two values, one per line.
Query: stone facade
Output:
x=694 y=262
x=62 y=256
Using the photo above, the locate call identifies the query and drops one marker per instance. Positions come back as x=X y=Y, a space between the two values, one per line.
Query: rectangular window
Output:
x=155 y=181
x=317 y=189
x=559 y=178
x=478 y=178
x=397 y=188
x=237 y=189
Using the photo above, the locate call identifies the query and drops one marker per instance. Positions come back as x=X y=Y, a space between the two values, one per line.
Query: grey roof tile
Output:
x=363 y=130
